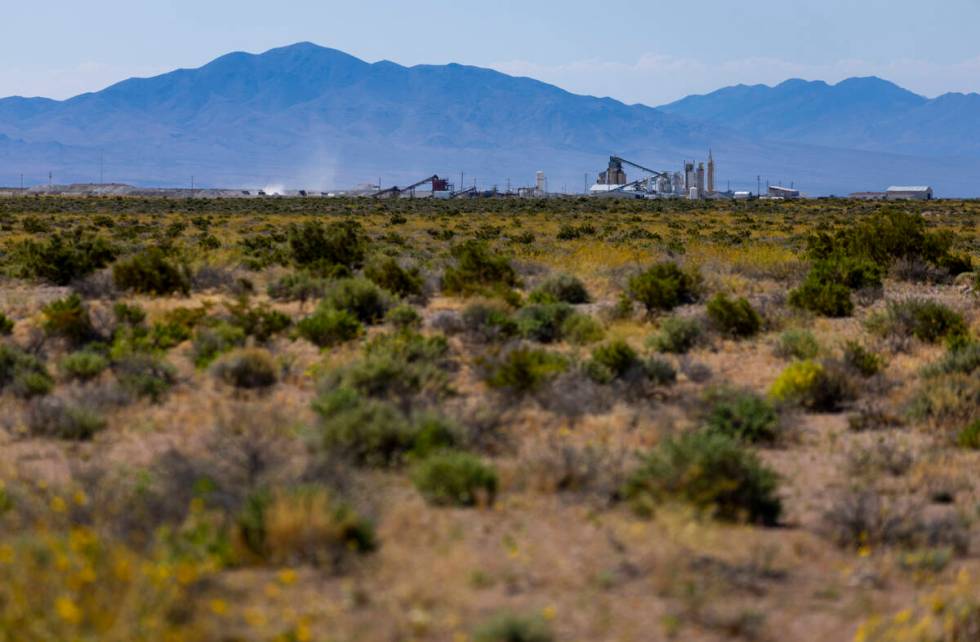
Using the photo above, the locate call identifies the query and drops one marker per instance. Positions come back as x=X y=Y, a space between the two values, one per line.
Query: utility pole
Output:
x=22 y=181
x=192 y=182
x=585 y=184
x=508 y=186
x=49 y=179
x=101 y=168
x=462 y=185
x=758 y=185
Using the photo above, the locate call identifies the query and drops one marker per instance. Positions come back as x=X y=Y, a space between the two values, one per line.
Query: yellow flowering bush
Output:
x=951 y=615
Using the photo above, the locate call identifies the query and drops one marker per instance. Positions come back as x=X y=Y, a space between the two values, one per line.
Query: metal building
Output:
x=909 y=193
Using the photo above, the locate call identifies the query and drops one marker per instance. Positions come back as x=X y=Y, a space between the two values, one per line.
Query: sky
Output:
x=638 y=51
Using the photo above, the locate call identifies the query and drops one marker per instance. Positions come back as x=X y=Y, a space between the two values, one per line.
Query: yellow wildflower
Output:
x=67 y=610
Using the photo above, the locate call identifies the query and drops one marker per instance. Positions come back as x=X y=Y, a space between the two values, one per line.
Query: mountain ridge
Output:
x=315 y=115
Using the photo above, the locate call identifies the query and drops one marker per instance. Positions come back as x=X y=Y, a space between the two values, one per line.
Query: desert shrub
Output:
x=614 y=360
x=477 y=269
x=151 y=272
x=969 y=437
x=945 y=615
x=861 y=517
x=741 y=414
x=22 y=373
x=710 y=471
x=63 y=258
x=84 y=365
x=959 y=359
x=370 y=432
x=735 y=318
x=582 y=329
x=926 y=320
x=303 y=525
x=261 y=322
x=328 y=326
x=827 y=298
x=298 y=286
x=542 y=322
x=450 y=478
x=522 y=370
x=489 y=321
x=6 y=325
x=797 y=344
x=514 y=628
x=69 y=319
x=404 y=366
x=404 y=317
x=128 y=313
x=677 y=335
x=663 y=286
x=861 y=360
x=324 y=248
x=659 y=371
x=211 y=341
x=145 y=376
x=250 y=368
x=388 y=274
x=563 y=288
x=374 y=432
x=946 y=399
x=813 y=385
x=63 y=419
x=362 y=298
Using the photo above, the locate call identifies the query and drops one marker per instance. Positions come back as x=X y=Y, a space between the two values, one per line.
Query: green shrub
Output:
x=969 y=437
x=742 y=415
x=735 y=318
x=248 y=369
x=861 y=360
x=6 y=325
x=145 y=376
x=964 y=359
x=562 y=288
x=949 y=394
x=369 y=431
x=84 y=365
x=514 y=628
x=329 y=327
x=542 y=322
x=830 y=299
x=214 y=340
x=677 y=335
x=298 y=286
x=449 y=478
x=403 y=366
x=489 y=321
x=362 y=298
x=63 y=258
x=128 y=313
x=812 y=385
x=582 y=329
x=388 y=274
x=926 y=320
x=261 y=322
x=659 y=371
x=151 y=272
x=663 y=286
x=523 y=370
x=614 y=360
x=710 y=471
x=68 y=318
x=404 y=317
x=61 y=419
x=477 y=269
x=797 y=344
x=22 y=373
x=323 y=248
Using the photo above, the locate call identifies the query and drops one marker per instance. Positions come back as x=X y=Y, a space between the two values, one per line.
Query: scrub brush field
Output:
x=489 y=420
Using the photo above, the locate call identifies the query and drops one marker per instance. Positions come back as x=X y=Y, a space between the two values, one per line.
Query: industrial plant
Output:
x=695 y=182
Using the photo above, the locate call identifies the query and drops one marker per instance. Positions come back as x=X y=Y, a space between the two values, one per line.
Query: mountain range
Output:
x=306 y=116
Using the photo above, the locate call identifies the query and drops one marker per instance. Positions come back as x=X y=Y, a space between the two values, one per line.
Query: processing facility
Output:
x=695 y=181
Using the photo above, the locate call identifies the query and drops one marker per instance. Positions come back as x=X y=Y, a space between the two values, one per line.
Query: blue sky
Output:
x=638 y=51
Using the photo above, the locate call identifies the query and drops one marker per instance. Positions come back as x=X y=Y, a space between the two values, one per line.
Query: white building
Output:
x=909 y=193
